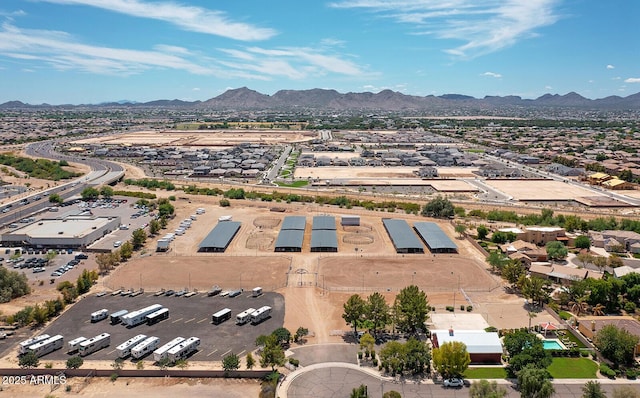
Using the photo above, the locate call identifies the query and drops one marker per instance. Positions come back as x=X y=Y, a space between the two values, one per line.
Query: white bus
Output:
x=23 y=347
x=244 y=316
x=260 y=314
x=46 y=346
x=145 y=347
x=99 y=315
x=124 y=349
x=183 y=349
x=94 y=344
x=221 y=316
x=161 y=353
x=75 y=344
x=157 y=316
x=140 y=316
x=116 y=316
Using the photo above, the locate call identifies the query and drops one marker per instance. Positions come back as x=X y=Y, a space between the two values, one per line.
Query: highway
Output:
x=102 y=172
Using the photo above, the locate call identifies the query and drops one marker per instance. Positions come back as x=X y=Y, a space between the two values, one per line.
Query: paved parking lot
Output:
x=188 y=316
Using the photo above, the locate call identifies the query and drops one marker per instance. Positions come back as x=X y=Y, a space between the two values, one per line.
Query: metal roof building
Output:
x=220 y=237
x=435 y=238
x=324 y=222
x=294 y=222
x=402 y=236
x=291 y=234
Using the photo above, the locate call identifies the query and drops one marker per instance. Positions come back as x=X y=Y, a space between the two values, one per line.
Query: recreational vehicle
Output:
x=124 y=349
x=99 y=315
x=75 y=344
x=183 y=349
x=140 y=316
x=244 y=316
x=94 y=344
x=221 y=316
x=256 y=292
x=260 y=314
x=145 y=347
x=116 y=316
x=46 y=346
x=162 y=352
x=157 y=316
x=24 y=346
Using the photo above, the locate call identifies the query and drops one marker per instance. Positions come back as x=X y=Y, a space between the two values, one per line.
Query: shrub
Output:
x=294 y=362
x=359 y=354
x=606 y=371
x=450 y=308
x=114 y=377
x=225 y=203
x=469 y=308
x=631 y=374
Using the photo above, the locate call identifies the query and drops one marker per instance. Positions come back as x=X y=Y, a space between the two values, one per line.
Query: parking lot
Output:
x=34 y=265
x=188 y=316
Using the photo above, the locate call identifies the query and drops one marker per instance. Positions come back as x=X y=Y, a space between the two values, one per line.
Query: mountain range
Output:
x=386 y=100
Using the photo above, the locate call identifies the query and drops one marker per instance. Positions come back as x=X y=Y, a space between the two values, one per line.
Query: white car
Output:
x=117 y=243
x=454 y=383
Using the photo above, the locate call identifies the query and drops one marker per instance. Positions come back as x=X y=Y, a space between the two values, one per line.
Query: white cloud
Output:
x=195 y=89
x=610 y=66
x=492 y=74
x=63 y=52
x=632 y=80
x=191 y=18
x=548 y=88
x=484 y=27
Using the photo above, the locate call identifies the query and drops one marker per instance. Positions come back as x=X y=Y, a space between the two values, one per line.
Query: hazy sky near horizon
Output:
x=92 y=51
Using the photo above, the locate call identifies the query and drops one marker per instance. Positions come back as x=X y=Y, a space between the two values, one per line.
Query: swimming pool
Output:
x=552 y=345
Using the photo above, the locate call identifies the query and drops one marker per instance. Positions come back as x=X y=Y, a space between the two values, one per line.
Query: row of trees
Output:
x=12 y=285
x=39 y=168
x=408 y=313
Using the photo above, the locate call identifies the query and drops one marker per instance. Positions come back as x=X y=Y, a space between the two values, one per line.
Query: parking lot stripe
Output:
x=202 y=320
x=212 y=352
x=242 y=352
x=87 y=321
x=177 y=320
x=111 y=352
x=225 y=353
x=192 y=319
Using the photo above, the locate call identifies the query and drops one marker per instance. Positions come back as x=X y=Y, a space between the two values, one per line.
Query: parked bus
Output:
x=244 y=316
x=99 y=315
x=94 y=344
x=46 y=346
x=183 y=349
x=140 y=316
x=23 y=348
x=260 y=314
x=157 y=316
x=221 y=316
x=145 y=347
x=116 y=317
x=75 y=344
x=124 y=349
x=162 y=352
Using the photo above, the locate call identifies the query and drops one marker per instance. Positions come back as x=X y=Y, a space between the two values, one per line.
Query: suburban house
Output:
x=483 y=347
x=590 y=325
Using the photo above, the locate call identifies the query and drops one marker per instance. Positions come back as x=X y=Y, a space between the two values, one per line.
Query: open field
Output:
x=532 y=190
x=200 y=138
x=355 y=173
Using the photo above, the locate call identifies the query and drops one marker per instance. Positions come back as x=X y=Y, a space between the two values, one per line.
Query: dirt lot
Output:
x=538 y=190
x=354 y=173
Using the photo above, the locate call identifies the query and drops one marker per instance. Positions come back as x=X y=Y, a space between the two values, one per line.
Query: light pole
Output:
x=412 y=277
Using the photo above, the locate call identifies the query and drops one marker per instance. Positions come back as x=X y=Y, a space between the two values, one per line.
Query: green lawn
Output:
x=485 y=373
x=573 y=368
x=295 y=184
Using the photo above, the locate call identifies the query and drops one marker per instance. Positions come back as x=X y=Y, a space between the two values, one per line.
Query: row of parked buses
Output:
x=250 y=314
x=137 y=347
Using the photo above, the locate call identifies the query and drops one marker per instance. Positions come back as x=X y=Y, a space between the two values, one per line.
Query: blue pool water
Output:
x=551 y=345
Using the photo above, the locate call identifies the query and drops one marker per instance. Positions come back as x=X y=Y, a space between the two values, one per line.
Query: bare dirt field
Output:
x=200 y=138
x=538 y=189
x=354 y=173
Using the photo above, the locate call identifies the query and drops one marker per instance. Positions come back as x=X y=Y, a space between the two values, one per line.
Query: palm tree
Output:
x=598 y=309
x=531 y=316
x=579 y=306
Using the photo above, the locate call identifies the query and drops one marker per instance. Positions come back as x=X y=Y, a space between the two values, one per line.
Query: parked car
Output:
x=169 y=292
x=453 y=383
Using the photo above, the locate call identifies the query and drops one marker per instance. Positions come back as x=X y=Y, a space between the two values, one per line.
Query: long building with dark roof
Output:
x=291 y=234
x=324 y=237
x=220 y=237
x=434 y=237
x=403 y=238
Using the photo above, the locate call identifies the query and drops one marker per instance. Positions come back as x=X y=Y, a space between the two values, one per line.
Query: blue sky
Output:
x=91 y=51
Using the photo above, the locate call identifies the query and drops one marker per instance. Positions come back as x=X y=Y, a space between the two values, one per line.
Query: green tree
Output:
x=534 y=383
x=525 y=349
x=512 y=271
x=486 y=389
x=106 y=192
x=29 y=360
x=165 y=208
x=439 y=207
x=556 y=250
x=354 y=311
x=451 y=359
x=616 y=344
x=360 y=392
x=89 y=193
x=74 y=362
x=593 y=389
x=483 y=231
x=460 y=229
x=282 y=335
x=138 y=238
x=367 y=342
x=250 y=361
x=126 y=251
x=377 y=311
x=55 y=198
x=272 y=353
x=40 y=314
x=391 y=394
x=497 y=260
x=535 y=289
x=154 y=227
x=300 y=334
x=411 y=309
x=231 y=362
x=500 y=237
x=582 y=242
x=417 y=356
